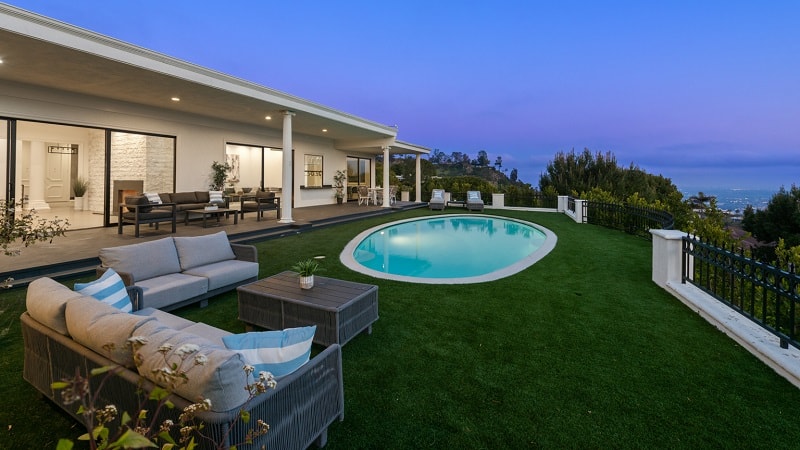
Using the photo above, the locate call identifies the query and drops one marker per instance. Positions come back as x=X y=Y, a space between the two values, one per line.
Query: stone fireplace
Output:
x=125 y=188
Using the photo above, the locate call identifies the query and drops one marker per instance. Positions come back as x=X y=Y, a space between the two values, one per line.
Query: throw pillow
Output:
x=437 y=195
x=194 y=251
x=153 y=197
x=138 y=200
x=279 y=352
x=473 y=195
x=109 y=289
x=215 y=197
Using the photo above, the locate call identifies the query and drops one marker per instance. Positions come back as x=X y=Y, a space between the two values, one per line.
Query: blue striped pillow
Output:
x=109 y=289
x=279 y=352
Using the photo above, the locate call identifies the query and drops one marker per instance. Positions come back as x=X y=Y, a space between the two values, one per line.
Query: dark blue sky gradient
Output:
x=706 y=93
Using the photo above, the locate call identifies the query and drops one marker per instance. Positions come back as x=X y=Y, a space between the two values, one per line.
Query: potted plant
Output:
x=79 y=187
x=219 y=173
x=338 y=183
x=305 y=270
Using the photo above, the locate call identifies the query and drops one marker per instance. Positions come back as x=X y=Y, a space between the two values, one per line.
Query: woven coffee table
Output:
x=340 y=309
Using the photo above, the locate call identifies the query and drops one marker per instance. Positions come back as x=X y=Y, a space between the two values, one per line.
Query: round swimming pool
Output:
x=450 y=249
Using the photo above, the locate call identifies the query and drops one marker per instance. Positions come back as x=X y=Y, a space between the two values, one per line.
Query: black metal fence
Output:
x=635 y=220
x=763 y=293
x=531 y=200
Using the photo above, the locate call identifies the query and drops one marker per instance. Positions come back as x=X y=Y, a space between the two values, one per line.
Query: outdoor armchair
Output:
x=138 y=210
x=263 y=201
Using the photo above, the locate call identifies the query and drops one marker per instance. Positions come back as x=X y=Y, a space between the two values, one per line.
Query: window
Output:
x=313 y=171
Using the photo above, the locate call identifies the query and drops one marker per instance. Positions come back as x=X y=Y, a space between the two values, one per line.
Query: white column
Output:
x=38 y=176
x=386 y=168
x=579 y=211
x=418 y=181
x=667 y=256
x=563 y=201
x=287 y=176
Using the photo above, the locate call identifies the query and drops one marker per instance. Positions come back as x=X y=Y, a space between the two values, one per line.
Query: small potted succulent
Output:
x=305 y=270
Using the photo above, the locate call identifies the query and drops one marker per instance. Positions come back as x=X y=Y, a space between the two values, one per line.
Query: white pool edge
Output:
x=346 y=256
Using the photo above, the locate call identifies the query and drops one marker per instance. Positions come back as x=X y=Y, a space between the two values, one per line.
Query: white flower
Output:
x=186 y=350
x=200 y=359
x=141 y=340
x=164 y=348
x=248 y=369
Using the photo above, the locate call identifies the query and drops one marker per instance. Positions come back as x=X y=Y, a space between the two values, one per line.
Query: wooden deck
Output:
x=77 y=251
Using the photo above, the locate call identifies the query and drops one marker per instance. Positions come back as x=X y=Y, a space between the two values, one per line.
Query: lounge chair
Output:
x=437 y=199
x=474 y=201
x=263 y=201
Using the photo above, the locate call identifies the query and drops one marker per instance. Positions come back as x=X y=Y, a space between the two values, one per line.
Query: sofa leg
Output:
x=322 y=439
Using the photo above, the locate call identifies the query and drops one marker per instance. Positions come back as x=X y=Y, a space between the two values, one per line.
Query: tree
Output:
x=513 y=175
x=483 y=159
x=780 y=219
x=498 y=163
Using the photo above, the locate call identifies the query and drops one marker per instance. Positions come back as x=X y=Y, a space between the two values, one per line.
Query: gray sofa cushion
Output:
x=103 y=328
x=201 y=250
x=225 y=273
x=170 y=320
x=46 y=301
x=167 y=290
x=221 y=379
x=206 y=331
x=183 y=197
x=143 y=260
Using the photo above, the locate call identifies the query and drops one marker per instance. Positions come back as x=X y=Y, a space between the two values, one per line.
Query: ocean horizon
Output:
x=734 y=199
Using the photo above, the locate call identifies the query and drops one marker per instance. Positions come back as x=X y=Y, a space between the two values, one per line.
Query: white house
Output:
x=74 y=103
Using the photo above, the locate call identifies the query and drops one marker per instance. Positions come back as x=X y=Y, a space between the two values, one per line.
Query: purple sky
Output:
x=706 y=93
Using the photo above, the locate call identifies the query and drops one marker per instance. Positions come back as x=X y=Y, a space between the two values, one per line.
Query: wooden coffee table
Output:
x=340 y=309
x=206 y=213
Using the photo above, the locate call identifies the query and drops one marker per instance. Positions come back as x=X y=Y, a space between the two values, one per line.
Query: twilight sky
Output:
x=706 y=93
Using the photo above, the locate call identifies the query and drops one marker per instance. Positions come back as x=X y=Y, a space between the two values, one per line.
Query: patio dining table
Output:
x=376 y=195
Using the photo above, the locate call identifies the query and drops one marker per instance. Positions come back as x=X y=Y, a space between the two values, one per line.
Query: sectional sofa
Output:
x=178 y=271
x=65 y=331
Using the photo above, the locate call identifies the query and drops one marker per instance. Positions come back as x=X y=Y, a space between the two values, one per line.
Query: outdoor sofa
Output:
x=65 y=331
x=152 y=208
x=178 y=271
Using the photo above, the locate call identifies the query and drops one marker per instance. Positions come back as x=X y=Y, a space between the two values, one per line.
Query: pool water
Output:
x=450 y=248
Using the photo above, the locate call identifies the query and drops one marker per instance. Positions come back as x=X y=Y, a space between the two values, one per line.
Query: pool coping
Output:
x=550 y=240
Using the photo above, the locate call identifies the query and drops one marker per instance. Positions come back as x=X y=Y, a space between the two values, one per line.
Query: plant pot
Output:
x=307 y=282
x=339 y=200
x=78 y=204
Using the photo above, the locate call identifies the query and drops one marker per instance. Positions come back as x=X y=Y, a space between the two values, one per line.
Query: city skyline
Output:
x=703 y=93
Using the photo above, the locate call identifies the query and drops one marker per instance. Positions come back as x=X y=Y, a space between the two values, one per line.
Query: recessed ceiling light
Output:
x=176 y=99
x=324 y=130
x=1 y=60
x=268 y=117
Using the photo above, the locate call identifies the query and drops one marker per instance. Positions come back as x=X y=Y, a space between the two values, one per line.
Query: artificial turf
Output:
x=581 y=350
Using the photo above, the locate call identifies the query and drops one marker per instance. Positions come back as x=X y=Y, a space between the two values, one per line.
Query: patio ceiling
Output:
x=39 y=51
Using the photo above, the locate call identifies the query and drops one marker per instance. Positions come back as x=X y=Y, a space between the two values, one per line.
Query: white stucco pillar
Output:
x=286 y=174
x=418 y=181
x=38 y=176
x=579 y=211
x=386 y=162
x=667 y=256
x=563 y=202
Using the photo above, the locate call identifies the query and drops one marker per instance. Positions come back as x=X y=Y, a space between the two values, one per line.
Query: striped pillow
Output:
x=153 y=197
x=278 y=352
x=215 y=197
x=109 y=289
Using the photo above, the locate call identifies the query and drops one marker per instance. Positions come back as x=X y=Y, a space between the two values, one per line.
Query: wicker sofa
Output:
x=177 y=271
x=65 y=331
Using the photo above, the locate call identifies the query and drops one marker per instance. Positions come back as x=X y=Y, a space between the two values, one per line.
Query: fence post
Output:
x=563 y=200
x=667 y=256
x=579 y=211
x=498 y=201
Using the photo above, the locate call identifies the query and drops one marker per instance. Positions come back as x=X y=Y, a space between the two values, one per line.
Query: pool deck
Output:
x=77 y=252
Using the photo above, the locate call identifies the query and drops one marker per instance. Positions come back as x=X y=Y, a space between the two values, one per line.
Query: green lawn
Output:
x=581 y=350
